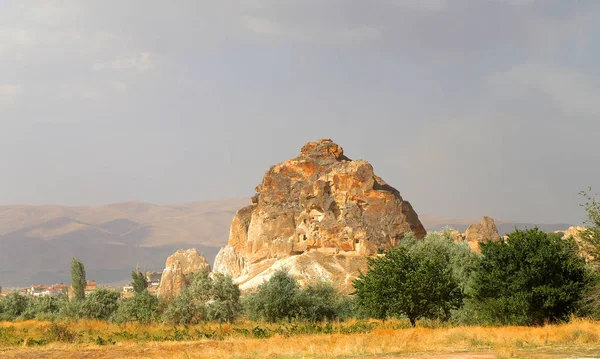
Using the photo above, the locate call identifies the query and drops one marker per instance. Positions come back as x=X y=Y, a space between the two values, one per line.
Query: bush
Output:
x=318 y=302
x=143 y=307
x=13 y=306
x=205 y=299
x=274 y=300
x=100 y=304
x=531 y=278
x=416 y=279
x=43 y=308
x=281 y=298
x=70 y=309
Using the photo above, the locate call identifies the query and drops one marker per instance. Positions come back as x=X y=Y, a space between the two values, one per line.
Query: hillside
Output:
x=37 y=242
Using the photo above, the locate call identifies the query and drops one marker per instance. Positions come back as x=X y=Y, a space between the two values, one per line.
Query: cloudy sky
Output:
x=467 y=107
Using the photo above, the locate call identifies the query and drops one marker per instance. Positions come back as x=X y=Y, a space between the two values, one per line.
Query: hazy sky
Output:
x=469 y=108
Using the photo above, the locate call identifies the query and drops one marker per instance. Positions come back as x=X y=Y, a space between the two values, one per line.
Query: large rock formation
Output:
x=481 y=232
x=180 y=264
x=318 y=215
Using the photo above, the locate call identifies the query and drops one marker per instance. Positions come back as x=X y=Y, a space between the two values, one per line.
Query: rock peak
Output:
x=325 y=149
x=319 y=215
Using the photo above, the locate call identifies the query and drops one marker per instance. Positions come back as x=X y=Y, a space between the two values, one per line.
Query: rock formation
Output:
x=454 y=234
x=481 y=232
x=318 y=215
x=180 y=264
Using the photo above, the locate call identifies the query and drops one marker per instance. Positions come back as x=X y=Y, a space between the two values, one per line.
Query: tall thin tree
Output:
x=78 y=280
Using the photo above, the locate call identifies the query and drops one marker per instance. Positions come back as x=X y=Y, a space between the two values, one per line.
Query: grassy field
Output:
x=353 y=339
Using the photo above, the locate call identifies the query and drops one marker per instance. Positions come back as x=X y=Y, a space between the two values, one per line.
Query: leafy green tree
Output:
x=318 y=302
x=415 y=281
x=591 y=235
x=206 y=298
x=224 y=302
x=42 y=308
x=78 y=280
x=140 y=284
x=13 y=305
x=531 y=278
x=143 y=307
x=100 y=304
x=275 y=299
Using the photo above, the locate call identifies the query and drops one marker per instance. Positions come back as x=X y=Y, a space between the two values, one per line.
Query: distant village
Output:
x=61 y=289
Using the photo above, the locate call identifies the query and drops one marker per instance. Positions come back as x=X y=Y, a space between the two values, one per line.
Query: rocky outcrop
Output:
x=454 y=234
x=481 y=232
x=178 y=266
x=319 y=215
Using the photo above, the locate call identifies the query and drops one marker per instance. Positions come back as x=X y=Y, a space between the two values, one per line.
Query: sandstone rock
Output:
x=308 y=210
x=180 y=264
x=454 y=234
x=481 y=232
x=572 y=231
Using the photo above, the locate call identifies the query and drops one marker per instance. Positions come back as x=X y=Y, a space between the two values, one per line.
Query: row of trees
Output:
x=530 y=278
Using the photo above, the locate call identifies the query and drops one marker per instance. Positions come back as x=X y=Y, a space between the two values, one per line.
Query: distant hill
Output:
x=37 y=242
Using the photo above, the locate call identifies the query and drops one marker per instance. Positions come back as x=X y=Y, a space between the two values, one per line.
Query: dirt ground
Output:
x=203 y=350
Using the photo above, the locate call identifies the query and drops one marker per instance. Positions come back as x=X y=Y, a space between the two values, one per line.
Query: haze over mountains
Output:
x=37 y=242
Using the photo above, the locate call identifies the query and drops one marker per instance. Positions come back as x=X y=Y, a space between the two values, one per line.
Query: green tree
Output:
x=318 y=302
x=206 y=298
x=275 y=299
x=13 y=306
x=143 y=307
x=415 y=281
x=100 y=304
x=531 y=278
x=42 y=308
x=591 y=235
x=78 y=280
x=139 y=283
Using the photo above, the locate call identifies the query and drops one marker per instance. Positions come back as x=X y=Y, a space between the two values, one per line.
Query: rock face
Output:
x=180 y=264
x=482 y=232
x=318 y=215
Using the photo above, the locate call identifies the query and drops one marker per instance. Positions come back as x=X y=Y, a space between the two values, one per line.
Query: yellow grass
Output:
x=578 y=338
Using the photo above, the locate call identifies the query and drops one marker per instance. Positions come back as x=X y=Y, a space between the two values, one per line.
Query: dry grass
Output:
x=578 y=338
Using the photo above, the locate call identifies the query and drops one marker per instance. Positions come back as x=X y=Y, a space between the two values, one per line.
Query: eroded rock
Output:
x=481 y=232
x=310 y=209
x=178 y=266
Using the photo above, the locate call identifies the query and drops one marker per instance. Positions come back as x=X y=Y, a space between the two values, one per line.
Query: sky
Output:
x=467 y=107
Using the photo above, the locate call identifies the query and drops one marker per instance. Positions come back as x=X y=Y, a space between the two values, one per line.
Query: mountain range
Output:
x=38 y=242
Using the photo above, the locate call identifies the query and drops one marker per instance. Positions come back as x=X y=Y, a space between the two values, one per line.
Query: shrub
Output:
x=100 y=304
x=415 y=279
x=42 y=308
x=143 y=307
x=281 y=298
x=275 y=299
x=318 y=302
x=206 y=298
x=531 y=278
x=13 y=305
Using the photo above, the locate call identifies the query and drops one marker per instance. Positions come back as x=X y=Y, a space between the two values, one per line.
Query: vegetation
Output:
x=139 y=282
x=591 y=235
x=100 y=304
x=415 y=279
x=143 y=308
x=78 y=281
x=206 y=298
x=531 y=278
x=356 y=339
x=281 y=298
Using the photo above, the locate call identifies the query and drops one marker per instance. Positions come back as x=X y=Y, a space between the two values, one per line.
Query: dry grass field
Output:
x=99 y=340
